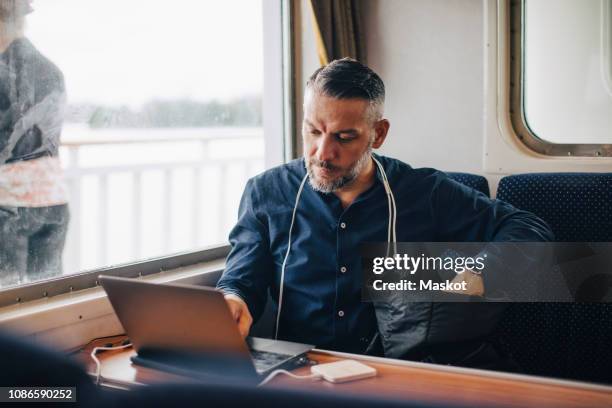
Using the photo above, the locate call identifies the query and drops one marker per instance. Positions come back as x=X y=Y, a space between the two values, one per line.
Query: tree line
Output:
x=170 y=113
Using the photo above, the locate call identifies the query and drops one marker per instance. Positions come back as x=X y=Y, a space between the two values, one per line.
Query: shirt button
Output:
x=341 y=313
x=342 y=225
x=343 y=269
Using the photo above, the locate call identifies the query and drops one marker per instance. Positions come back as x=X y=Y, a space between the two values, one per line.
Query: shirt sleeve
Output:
x=249 y=265
x=466 y=215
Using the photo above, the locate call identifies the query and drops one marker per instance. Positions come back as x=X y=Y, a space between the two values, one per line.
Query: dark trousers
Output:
x=31 y=243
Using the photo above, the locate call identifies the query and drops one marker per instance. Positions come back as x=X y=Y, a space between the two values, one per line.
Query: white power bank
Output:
x=344 y=370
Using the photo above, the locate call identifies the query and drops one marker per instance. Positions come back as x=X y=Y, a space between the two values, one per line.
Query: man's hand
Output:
x=240 y=313
x=474 y=285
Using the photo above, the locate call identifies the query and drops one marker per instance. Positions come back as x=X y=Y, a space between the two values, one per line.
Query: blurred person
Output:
x=33 y=197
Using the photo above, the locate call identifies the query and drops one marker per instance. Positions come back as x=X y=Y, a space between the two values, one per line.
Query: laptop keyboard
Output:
x=264 y=360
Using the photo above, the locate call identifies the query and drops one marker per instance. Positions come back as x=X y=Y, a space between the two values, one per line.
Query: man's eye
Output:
x=345 y=137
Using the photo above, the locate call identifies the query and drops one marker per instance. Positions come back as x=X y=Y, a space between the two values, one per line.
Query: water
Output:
x=142 y=193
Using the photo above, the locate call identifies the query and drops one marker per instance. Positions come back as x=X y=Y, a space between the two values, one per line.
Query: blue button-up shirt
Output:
x=322 y=289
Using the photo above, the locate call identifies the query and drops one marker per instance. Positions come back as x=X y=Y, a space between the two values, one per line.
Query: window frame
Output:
x=516 y=85
x=277 y=105
x=606 y=43
x=89 y=279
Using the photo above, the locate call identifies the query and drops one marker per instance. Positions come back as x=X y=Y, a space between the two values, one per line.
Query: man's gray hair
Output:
x=347 y=78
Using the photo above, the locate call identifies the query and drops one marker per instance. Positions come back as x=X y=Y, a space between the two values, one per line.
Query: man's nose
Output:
x=326 y=149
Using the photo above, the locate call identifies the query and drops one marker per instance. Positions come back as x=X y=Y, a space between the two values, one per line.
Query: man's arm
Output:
x=249 y=264
x=465 y=215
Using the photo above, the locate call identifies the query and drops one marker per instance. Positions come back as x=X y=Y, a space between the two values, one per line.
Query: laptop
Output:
x=188 y=330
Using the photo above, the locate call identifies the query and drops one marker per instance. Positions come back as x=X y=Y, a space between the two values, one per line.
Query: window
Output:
x=562 y=99
x=160 y=110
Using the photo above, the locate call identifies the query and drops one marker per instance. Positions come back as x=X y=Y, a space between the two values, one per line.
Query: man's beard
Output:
x=329 y=186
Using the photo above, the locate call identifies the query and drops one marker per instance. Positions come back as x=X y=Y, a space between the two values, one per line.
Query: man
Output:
x=343 y=205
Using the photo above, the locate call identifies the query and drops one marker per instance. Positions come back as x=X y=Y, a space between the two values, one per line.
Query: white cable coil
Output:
x=287 y=373
x=95 y=359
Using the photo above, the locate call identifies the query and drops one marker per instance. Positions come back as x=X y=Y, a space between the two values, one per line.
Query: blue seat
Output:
x=577 y=206
x=471 y=180
x=569 y=340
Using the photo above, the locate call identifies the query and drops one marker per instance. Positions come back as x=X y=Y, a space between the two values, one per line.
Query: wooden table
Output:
x=417 y=382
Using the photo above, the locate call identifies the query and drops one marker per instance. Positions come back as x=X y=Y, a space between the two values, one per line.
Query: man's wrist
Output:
x=235 y=297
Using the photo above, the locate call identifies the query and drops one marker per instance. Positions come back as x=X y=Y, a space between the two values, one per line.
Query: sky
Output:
x=127 y=52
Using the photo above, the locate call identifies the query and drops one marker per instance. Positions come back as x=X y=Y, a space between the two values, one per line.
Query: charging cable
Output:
x=270 y=376
x=95 y=359
x=275 y=373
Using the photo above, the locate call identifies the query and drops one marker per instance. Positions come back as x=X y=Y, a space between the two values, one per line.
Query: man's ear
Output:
x=381 y=128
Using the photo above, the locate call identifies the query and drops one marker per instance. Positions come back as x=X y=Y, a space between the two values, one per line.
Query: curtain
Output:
x=338 y=29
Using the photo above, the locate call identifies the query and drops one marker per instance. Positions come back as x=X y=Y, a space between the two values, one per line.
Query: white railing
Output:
x=197 y=178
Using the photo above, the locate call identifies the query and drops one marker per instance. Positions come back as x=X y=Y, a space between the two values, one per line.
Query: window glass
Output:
x=127 y=129
x=567 y=70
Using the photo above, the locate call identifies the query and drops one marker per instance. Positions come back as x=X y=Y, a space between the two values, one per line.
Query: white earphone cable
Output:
x=282 y=279
x=392 y=235
x=387 y=191
x=391 y=232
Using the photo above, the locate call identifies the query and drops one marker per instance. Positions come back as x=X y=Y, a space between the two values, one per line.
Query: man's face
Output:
x=338 y=136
